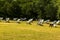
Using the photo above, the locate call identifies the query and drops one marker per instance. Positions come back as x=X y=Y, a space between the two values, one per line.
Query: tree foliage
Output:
x=46 y=9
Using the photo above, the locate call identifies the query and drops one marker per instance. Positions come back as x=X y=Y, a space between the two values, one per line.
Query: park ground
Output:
x=23 y=31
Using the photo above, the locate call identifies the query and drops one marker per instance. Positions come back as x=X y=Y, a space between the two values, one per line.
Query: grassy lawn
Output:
x=23 y=31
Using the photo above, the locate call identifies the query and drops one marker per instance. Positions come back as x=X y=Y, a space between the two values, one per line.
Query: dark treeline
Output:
x=46 y=9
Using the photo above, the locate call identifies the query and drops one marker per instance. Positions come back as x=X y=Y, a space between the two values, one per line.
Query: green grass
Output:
x=23 y=31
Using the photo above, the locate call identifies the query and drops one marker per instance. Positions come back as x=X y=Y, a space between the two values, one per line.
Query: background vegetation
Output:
x=46 y=9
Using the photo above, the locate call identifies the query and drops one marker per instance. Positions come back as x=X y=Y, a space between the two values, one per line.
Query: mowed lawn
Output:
x=23 y=31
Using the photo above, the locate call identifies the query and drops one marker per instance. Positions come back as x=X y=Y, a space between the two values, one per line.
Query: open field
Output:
x=23 y=31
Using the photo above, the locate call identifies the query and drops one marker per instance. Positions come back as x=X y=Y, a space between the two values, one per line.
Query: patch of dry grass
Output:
x=23 y=31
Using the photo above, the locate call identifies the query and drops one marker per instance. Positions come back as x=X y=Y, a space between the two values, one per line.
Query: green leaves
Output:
x=47 y=9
